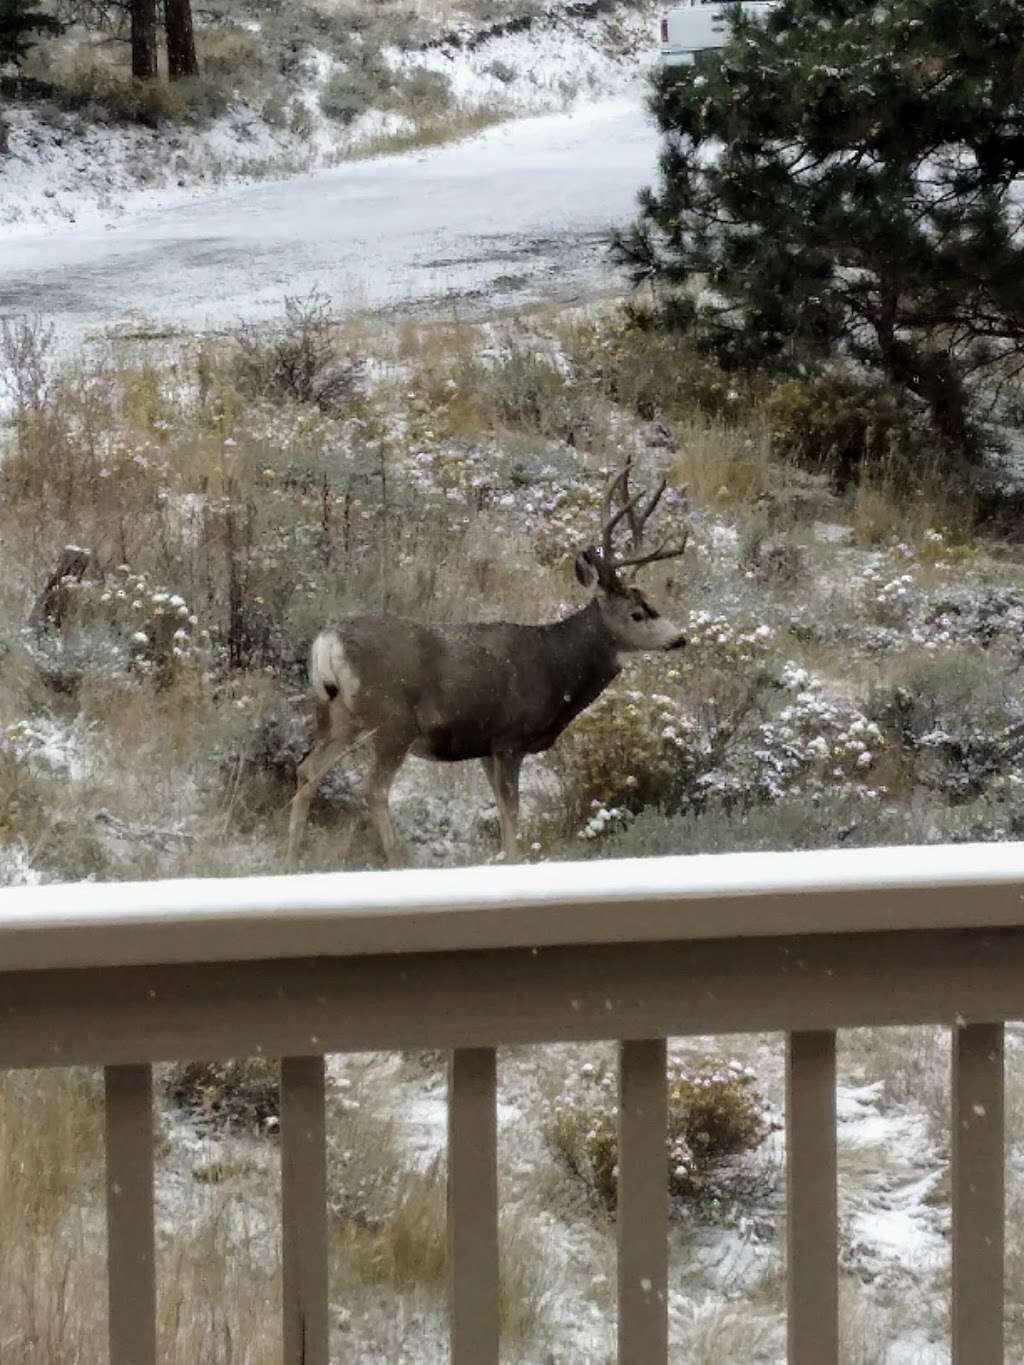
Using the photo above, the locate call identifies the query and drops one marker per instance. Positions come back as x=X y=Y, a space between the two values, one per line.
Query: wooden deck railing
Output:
x=127 y=975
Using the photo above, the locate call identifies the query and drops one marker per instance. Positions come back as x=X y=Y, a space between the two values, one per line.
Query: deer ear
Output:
x=586 y=570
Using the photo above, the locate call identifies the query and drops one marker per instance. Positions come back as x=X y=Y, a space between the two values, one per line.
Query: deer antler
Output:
x=637 y=510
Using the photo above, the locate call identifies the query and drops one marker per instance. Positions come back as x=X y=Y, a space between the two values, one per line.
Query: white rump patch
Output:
x=330 y=669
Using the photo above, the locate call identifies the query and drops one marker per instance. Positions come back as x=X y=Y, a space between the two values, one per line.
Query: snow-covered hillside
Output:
x=61 y=171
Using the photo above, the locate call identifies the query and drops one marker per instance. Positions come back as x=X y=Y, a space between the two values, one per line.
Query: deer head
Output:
x=629 y=616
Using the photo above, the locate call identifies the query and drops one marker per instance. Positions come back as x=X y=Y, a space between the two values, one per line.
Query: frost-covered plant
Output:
x=714 y=1112
x=152 y=630
x=815 y=743
x=713 y=638
x=954 y=725
x=629 y=750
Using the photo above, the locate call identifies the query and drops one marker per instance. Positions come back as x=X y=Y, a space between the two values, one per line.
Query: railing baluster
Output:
x=303 y=1211
x=811 y=1229
x=131 y=1274
x=473 y=1207
x=642 y=1215
x=978 y=1193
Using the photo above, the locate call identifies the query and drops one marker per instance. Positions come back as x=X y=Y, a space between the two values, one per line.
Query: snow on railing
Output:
x=126 y=975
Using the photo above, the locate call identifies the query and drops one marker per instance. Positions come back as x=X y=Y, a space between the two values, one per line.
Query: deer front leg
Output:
x=503 y=774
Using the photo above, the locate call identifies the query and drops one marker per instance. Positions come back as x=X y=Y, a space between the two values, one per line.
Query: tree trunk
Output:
x=933 y=377
x=144 y=65
x=182 y=63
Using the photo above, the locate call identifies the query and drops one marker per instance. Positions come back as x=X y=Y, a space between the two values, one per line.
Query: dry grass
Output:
x=723 y=466
x=882 y=511
x=434 y=131
x=52 y=1277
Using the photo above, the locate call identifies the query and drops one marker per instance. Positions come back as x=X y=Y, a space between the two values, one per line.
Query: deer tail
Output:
x=329 y=670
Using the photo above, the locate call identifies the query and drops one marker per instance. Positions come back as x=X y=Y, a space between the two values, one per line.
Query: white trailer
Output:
x=701 y=25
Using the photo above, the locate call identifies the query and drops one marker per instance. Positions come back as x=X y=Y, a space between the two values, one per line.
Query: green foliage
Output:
x=346 y=95
x=653 y=370
x=795 y=822
x=861 y=197
x=419 y=94
x=836 y=423
x=955 y=726
x=22 y=24
x=103 y=93
x=714 y=1112
x=626 y=751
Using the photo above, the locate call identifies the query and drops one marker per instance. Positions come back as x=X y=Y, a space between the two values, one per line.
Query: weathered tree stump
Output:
x=52 y=604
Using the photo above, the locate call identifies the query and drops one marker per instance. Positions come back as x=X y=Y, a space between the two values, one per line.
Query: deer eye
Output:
x=637 y=615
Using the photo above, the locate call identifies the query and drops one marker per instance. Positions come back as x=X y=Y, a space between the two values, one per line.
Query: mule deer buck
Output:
x=494 y=691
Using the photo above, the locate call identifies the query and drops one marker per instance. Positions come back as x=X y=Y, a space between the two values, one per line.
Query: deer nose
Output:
x=678 y=643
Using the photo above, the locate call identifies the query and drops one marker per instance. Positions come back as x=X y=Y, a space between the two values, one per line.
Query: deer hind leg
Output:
x=503 y=774
x=335 y=735
x=387 y=759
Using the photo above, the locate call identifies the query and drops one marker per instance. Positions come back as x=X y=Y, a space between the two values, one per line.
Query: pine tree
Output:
x=22 y=24
x=843 y=179
x=143 y=40
x=182 y=62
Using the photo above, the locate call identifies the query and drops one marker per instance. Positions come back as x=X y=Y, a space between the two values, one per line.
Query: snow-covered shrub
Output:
x=421 y=94
x=238 y=1094
x=125 y=622
x=815 y=744
x=714 y=1112
x=348 y=94
x=629 y=750
x=793 y=822
x=954 y=724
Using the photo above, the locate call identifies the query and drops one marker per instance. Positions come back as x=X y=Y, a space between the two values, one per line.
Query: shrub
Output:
x=348 y=94
x=26 y=362
x=232 y=58
x=103 y=93
x=502 y=71
x=156 y=627
x=627 y=751
x=520 y=389
x=301 y=360
x=838 y=424
x=770 y=554
x=118 y=626
x=714 y=1112
x=954 y=726
x=653 y=372
x=228 y=1094
x=300 y=119
x=422 y=94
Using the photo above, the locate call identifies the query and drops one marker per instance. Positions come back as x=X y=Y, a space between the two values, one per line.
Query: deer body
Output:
x=465 y=691
x=492 y=691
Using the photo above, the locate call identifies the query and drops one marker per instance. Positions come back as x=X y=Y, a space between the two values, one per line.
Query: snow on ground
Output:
x=522 y=211
x=62 y=173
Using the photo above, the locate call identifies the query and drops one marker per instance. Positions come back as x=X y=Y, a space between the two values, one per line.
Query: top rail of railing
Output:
x=643 y=900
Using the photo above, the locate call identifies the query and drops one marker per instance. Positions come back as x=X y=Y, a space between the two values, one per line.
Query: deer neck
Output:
x=587 y=652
